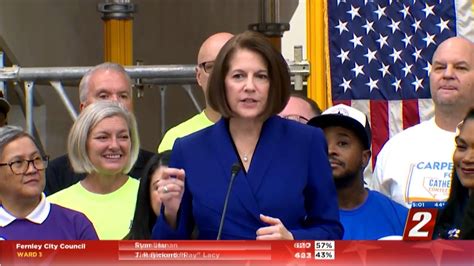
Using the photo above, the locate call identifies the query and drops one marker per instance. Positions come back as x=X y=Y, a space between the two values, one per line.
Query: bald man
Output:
x=300 y=108
x=206 y=56
x=416 y=164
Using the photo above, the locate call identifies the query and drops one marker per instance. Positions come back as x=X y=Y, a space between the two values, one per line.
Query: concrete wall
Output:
x=43 y=33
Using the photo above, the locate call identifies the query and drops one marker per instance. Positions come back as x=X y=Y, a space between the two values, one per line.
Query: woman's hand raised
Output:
x=171 y=189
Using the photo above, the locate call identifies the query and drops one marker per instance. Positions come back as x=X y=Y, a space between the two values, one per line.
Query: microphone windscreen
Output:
x=235 y=168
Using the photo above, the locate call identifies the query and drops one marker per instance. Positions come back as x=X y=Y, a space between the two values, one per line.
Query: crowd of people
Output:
x=259 y=162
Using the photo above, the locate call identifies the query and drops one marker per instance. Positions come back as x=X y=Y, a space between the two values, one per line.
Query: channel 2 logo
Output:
x=421 y=220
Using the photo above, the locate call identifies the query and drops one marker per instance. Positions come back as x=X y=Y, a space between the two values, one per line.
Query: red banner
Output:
x=236 y=252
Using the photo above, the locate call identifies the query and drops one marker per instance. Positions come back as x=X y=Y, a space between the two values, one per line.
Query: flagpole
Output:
x=317 y=88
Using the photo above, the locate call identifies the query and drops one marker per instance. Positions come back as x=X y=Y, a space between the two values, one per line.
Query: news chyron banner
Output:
x=421 y=220
x=440 y=252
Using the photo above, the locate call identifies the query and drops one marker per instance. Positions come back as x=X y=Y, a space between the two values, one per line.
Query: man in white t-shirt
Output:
x=416 y=164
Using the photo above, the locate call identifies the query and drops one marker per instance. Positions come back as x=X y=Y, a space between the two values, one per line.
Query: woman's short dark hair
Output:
x=278 y=72
x=145 y=218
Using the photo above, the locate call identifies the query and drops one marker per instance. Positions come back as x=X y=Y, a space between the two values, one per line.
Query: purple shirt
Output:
x=46 y=222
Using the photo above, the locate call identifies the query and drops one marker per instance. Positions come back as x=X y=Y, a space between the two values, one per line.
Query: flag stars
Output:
x=429 y=39
x=380 y=11
x=341 y=1
x=342 y=26
x=407 y=69
x=382 y=40
x=372 y=84
x=371 y=55
x=427 y=68
x=407 y=40
x=385 y=70
x=443 y=25
x=396 y=55
x=428 y=10
x=368 y=26
x=356 y=40
x=417 y=83
x=344 y=55
x=390 y=43
x=405 y=11
x=417 y=54
x=416 y=25
x=358 y=69
x=394 y=25
x=346 y=84
x=397 y=84
x=354 y=12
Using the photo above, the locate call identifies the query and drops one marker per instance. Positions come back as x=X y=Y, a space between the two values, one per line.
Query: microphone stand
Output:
x=235 y=169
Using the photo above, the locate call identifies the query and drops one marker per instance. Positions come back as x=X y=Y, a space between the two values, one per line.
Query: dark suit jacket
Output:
x=60 y=175
x=289 y=178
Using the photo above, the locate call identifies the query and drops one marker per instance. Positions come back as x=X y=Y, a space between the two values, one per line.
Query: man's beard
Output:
x=346 y=179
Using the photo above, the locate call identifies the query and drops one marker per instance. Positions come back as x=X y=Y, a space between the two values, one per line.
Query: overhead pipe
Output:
x=118 y=30
x=269 y=22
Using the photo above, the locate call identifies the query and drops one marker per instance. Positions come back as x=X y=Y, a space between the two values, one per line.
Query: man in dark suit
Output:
x=107 y=81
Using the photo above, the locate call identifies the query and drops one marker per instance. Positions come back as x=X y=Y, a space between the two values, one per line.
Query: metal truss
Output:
x=161 y=75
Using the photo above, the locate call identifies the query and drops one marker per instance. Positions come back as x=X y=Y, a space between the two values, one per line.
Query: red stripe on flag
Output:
x=379 y=126
x=346 y=102
x=411 y=116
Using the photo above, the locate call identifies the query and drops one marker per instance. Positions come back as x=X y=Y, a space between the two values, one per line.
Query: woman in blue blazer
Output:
x=277 y=170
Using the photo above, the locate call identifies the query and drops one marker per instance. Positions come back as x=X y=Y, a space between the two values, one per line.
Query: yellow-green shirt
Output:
x=111 y=214
x=189 y=126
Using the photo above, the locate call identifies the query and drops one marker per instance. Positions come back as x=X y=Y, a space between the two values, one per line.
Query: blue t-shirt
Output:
x=377 y=217
x=58 y=223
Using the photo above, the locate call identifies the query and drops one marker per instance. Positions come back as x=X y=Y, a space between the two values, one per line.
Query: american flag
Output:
x=380 y=54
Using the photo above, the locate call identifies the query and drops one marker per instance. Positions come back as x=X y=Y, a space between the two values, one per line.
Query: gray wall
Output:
x=42 y=33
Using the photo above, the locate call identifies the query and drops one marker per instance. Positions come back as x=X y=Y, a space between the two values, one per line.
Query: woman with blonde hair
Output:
x=103 y=143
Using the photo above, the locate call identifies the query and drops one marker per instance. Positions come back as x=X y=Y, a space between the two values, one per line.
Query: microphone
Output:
x=235 y=169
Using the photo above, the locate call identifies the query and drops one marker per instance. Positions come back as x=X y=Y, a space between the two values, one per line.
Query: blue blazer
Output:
x=289 y=178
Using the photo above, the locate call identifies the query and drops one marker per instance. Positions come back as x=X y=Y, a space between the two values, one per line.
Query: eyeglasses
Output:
x=297 y=118
x=207 y=66
x=21 y=166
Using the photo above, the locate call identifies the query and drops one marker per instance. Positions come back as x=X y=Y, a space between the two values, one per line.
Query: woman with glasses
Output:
x=25 y=213
x=103 y=143
x=253 y=174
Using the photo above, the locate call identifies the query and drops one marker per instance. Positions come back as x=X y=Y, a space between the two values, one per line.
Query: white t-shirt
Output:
x=416 y=164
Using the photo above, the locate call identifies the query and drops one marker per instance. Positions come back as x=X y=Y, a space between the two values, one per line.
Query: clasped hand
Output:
x=275 y=231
